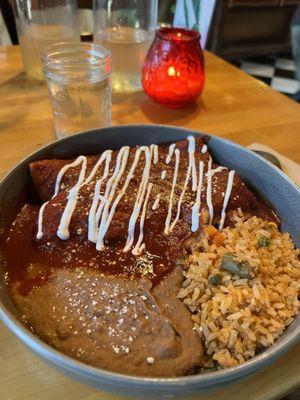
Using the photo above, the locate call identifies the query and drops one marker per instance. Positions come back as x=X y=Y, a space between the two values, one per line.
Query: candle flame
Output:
x=171 y=71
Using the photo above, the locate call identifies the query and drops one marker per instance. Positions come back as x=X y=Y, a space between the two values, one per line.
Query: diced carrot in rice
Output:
x=218 y=239
x=239 y=316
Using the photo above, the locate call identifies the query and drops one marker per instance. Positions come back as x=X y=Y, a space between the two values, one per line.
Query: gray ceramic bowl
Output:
x=266 y=179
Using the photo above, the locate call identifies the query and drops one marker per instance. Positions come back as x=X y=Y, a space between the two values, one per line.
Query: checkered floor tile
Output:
x=277 y=72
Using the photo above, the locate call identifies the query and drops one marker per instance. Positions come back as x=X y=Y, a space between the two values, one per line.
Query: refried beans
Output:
x=94 y=269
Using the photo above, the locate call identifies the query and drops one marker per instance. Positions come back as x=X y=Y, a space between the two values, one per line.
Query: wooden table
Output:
x=234 y=106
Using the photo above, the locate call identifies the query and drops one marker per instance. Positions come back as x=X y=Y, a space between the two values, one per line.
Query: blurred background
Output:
x=262 y=37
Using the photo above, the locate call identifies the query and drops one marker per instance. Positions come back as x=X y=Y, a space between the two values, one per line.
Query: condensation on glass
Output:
x=127 y=28
x=78 y=77
x=41 y=23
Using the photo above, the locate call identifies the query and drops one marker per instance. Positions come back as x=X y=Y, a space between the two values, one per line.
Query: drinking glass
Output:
x=41 y=23
x=127 y=28
x=78 y=79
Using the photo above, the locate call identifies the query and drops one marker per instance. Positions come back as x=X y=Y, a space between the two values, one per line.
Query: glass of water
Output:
x=127 y=28
x=78 y=79
x=41 y=23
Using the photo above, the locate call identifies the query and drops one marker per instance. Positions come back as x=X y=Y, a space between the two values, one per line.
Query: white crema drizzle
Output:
x=208 y=191
x=139 y=247
x=170 y=153
x=92 y=226
x=163 y=174
x=154 y=153
x=169 y=215
x=156 y=202
x=106 y=213
x=191 y=169
x=226 y=198
x=192 y=163
x=120 y=195
x=63 y=229
x=59 y=177
x=110 y=187
x=139 y=199
x=212 y=172
x=104 y=206
x=197 y=204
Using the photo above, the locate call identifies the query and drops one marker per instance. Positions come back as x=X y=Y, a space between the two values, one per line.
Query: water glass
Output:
x=78 y=79
x=41 y=23
x=127 y=28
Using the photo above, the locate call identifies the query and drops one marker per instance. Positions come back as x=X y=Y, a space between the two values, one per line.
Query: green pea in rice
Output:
x=238 y=317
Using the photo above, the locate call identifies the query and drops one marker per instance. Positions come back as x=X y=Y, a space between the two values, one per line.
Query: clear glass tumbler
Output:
x=127 y=28
x=78 y=79
x=41 y=23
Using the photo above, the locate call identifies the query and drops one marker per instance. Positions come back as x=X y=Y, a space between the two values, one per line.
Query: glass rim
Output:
x=98 y=55
x=190 y=35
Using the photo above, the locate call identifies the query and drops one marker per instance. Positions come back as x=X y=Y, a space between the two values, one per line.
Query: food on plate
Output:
x=151 y=261
x=243 y=292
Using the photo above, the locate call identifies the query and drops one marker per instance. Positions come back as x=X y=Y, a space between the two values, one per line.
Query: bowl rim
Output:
x=204 y=380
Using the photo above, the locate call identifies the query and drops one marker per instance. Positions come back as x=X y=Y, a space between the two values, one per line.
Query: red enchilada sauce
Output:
x=170 y=205
x=92 y=271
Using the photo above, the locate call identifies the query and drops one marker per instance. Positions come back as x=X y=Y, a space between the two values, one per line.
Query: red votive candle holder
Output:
x=173 y=72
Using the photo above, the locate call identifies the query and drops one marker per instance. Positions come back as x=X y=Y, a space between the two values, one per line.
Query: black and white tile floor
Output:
x=277 y=72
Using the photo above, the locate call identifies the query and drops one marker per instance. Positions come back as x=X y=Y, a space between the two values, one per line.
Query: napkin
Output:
x=289 y=167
